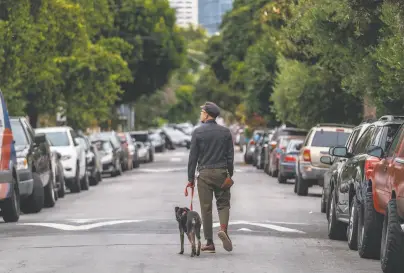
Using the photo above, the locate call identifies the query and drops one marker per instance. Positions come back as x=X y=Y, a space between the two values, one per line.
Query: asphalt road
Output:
x=127 y=224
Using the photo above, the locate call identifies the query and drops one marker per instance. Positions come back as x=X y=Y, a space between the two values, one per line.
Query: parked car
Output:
x=177 y=138
x=110 y=157
x=143 y=137
x=122 y=159
x=64 y=140
x=143 y=150
x=287 y=160
x=157 y=139
x=37 y=185
x=58 y=172
x=133 y=151
x=387 y=189
x=277 y=145
x=127 y=151
x=259 y=151
x=309 y=169
x=93 y=161
x=250 y=149
x=352 y=205
x=9 y=180
x=337 y=163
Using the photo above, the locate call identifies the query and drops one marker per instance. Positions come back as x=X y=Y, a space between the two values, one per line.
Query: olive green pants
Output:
x=209 y=182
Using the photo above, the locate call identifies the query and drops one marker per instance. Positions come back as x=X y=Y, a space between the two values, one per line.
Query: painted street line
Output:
x=268 y=226
x=82 y=227
x=289 y=223
x=162 y=170
x=244 y=229
x=176 y=159
x=84 y=221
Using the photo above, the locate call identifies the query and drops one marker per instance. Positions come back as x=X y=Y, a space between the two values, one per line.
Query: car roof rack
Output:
x=390 y=118
x=369 y=120
x=335 y=125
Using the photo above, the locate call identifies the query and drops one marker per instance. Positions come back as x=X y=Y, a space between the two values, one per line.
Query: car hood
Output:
x=63 y=150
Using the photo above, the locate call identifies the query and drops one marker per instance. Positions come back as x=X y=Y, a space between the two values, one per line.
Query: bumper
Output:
x=287 y=169
x=309 y=172
x=107 y=167
x=26 y=184
x=69 y=169
x=6 y=184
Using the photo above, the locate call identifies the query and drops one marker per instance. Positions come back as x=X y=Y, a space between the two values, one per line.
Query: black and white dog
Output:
x=189 y=222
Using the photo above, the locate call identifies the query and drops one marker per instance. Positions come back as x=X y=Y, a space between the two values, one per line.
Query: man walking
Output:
x=212 y=150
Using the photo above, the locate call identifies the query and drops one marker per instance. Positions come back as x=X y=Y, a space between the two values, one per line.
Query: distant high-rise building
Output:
x=186 y=12
x=210 y=13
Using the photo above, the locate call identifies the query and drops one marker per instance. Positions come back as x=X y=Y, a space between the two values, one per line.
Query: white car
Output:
x=64 y=140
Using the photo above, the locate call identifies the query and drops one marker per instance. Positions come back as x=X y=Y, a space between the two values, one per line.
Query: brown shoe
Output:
x=227 y=244
x=208 y=248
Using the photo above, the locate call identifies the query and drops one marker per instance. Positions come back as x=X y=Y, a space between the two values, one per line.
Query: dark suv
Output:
x=351 y=198
x=37 y=185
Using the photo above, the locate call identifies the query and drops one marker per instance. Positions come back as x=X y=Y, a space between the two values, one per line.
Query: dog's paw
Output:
x=181 y=252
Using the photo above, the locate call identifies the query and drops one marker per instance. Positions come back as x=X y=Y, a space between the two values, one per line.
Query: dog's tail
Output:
x=194 y=222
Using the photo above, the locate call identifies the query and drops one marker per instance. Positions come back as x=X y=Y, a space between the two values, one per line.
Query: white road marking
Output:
x=268 y=226
x=162 y=170
x=82 y=227
x=244 y=229
x=288 y=223
x=176 y=159
x=83 y=221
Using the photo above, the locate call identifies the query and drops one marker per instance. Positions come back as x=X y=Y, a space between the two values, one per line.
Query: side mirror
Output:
x=273 y=144
x=299 y=146
x=326 y=160
x=340 y=152
x=59 y=156
x=76 y=141
x=375 y=151
x=39 y=139
x=331 y=150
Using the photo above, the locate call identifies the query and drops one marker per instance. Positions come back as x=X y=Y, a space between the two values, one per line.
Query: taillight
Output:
x=252 y=142
x=306 y=155
x=340 y=130
x=370 y=166
x=289 y=158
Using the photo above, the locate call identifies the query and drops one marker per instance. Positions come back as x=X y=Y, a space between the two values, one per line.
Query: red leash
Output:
x=192 y=192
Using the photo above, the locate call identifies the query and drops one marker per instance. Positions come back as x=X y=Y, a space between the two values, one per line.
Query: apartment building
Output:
x=210 y=13
x=186 y=11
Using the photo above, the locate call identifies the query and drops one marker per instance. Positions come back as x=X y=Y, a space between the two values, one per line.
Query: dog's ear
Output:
x=176 y=209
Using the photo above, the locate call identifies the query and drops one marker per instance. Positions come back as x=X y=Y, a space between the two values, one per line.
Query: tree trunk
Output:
x=32 y=113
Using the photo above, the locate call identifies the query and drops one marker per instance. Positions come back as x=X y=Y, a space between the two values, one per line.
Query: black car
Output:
x=351 y=210
x=143 y=136
x=109 y=157
x=37 y=185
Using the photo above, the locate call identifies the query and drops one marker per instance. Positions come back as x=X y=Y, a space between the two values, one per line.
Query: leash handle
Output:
x=192 y=194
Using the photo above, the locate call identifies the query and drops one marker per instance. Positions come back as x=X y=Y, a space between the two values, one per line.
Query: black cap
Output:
x=211 y=108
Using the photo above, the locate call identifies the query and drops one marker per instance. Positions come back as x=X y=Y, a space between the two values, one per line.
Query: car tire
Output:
x=352 y=230
x=322 y=204
x=61 y=180
x=85 y=182
x=151 y=156
x=36 y=201
x=11 y=206
x=94 y=180
x=295 y=190
x=302 y=188
x=336 y=229
x=370 y=226
x=281 y=179
x=136 y=164
x=76 y=185
x=392 y=242
x=50 y=193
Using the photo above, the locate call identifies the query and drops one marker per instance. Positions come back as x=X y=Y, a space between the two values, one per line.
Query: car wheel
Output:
x=50 y=194
x=94 y=179
x=370 y=226
x=35 y=202
x=85 y=183
x=76 y=185
x=323 y=206
x=352 y=230
x=295 y=190
x=392 y=242
x=11 y=206
x=336 y=229
x=281 y=179
x=302 y=188
x=151 y=156
x=62 y=183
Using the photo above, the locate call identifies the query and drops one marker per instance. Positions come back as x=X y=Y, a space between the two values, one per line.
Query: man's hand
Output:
x=189 y=185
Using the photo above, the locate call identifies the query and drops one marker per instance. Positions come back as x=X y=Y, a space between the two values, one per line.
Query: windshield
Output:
x=58 y=139
x=19 y=135
x=140 y=137
x=329 y=139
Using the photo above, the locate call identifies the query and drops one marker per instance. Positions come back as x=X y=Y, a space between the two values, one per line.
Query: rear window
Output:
x=329 y=139
x=58 y=139
x=293 y=133
x=140 y=137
